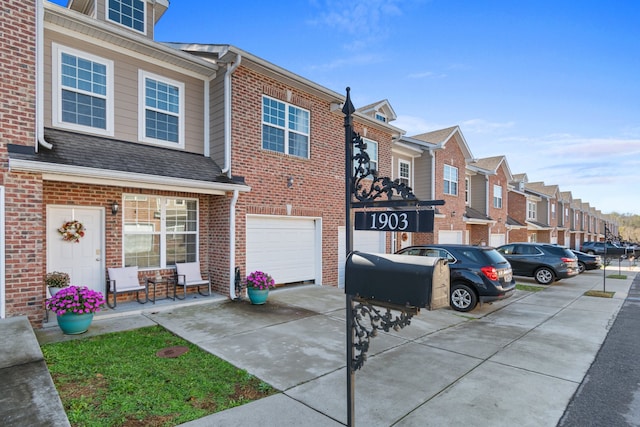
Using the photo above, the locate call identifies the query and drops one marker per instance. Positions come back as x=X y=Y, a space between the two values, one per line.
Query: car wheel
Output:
x=463 y=298
x=544 y=276
x=581 y=267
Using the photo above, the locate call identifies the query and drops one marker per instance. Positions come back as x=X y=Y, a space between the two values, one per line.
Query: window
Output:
x=82 y=91
x=159 y=231
x=285 y=128
x=450 y=180
x=553 y=211
x=161 y=116
x=531 y=210
x=381 y=117
x=372 y=151
x=129 y=13
x=497 y=196
x=404 y=173
x=467 y=186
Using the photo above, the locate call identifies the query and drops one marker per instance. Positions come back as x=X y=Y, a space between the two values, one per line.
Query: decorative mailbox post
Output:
x=394 y=282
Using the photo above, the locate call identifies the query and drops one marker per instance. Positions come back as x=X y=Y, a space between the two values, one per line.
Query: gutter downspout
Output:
x=40 y=78
x=227 y=115
x=227 y=169
x=232 y=245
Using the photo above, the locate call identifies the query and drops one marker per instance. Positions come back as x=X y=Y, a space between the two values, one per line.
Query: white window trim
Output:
x=532 y=211
x=142 y=76
x=408 y=178
x=371 y=142
x=56 y=114
x=285 y=128
x=496 y=198
x=163 y=228
x=144 y=20
x=467 y=191
x=446 y=180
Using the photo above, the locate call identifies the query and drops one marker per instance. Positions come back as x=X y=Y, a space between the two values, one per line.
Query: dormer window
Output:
x=129 y=13
x=381 y=117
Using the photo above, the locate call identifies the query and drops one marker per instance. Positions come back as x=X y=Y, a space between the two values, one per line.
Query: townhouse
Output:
x=172 y=152
x=143 y=145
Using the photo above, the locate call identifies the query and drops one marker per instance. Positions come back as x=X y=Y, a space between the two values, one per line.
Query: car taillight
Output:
x=568 y=260
x=490 y=272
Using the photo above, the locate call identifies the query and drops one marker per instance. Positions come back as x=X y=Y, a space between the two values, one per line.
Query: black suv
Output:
x=477 y=273
x=544 y=262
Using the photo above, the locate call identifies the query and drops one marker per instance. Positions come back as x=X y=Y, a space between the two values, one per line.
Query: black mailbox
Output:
x=404 y=280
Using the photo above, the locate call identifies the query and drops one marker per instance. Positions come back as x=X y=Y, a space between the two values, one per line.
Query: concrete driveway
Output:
x=514 y=362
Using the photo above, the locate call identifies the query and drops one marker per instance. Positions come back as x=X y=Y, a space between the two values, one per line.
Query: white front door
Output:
x=84 y=260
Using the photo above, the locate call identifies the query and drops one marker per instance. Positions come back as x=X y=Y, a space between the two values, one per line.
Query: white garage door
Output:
x=364 y=241
x=450 y=237
x=496 y=240
x=285 y=247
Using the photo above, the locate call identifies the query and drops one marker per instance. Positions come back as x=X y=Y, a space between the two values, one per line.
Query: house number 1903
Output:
x=410 y=221
x=385 y=221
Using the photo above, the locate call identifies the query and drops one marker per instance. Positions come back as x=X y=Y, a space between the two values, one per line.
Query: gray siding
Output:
x=478 y=190
x=126 y=69
x=422 y=177
x=216 y=118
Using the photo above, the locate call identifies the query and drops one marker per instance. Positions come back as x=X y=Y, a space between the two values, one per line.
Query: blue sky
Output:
x=553 y=85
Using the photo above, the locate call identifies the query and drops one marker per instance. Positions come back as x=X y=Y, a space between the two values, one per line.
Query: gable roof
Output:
x=492 y=164
x=439 y=138
x=77 y=157
x=541 y=189
x=383 y=107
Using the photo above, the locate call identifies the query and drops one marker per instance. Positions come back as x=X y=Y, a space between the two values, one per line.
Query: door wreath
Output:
x=72 y=231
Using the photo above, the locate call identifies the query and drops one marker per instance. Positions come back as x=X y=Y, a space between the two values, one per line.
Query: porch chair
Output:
x=188 y=274
x=124 y=280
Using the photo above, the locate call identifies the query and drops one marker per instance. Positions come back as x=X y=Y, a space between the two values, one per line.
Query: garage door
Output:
x=287 y=248
x=496 y=240
x=364 y=241
x=450 y=237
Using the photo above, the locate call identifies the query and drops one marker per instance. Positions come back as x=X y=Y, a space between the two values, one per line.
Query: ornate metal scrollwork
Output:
x=379 y=187
x=367 y=321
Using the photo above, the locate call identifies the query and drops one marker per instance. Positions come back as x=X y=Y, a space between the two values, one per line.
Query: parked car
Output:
x=587 y=262
x=546 y=263
x=613 y=250
x=477 y=273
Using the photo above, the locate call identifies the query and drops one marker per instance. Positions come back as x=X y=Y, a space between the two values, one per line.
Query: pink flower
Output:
x=75 y=299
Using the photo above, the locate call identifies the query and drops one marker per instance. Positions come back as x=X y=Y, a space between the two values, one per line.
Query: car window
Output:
x=526 y=250
x=495 y=257
x=413 y=251
x=473 y=255
x=508 y=249
x=439 y=253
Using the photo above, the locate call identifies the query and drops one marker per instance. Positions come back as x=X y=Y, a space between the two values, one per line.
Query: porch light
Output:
x=115 y=207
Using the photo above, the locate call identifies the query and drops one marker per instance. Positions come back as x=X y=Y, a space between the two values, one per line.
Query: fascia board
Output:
x=55 y=172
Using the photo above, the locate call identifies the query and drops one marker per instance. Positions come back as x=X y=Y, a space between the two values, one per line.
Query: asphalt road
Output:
x=610 y=392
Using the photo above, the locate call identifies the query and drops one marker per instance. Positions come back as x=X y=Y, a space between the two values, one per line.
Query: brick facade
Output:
x=24 y=228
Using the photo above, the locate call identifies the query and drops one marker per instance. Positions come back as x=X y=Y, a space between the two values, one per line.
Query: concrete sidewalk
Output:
x=515 y=362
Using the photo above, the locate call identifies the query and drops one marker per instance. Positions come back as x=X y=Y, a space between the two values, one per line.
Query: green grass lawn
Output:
x=118 y=380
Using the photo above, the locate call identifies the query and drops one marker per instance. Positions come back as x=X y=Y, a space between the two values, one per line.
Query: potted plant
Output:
x=56 y=281
x=258 y=284
x=74 y=308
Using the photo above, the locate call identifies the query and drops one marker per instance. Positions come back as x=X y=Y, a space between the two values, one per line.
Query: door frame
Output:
x=101 y=221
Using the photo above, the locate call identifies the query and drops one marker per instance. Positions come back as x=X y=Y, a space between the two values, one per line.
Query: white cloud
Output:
x=427 y=75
